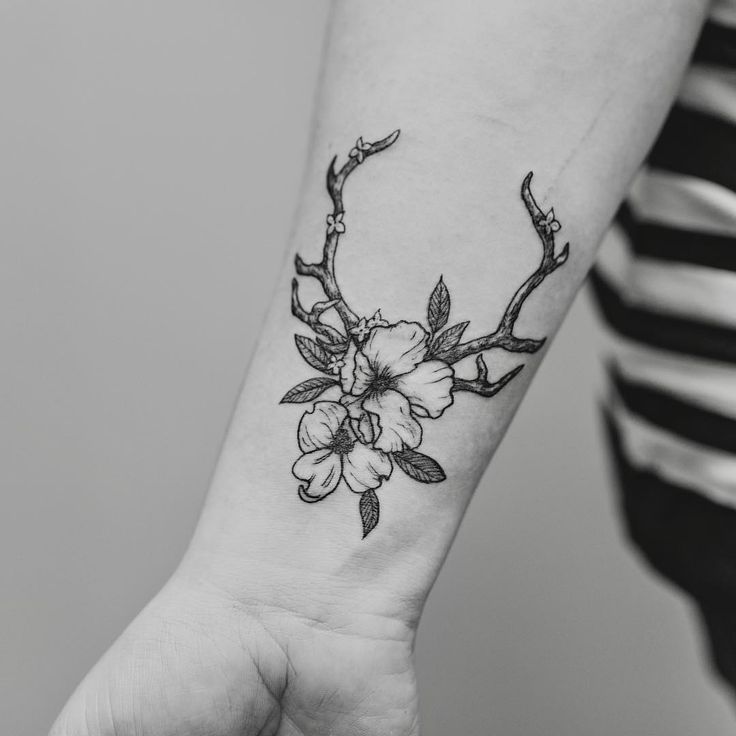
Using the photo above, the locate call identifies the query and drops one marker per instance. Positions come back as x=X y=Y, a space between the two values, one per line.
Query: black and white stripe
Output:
x=665 y=284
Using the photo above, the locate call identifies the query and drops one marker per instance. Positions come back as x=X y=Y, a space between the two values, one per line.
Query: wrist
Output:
x=279 y=596
x=286 y=557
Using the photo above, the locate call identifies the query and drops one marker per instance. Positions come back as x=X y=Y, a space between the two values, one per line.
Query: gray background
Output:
x=150 y=154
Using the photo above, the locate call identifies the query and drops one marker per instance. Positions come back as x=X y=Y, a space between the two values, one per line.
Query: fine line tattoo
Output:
x=384 y=377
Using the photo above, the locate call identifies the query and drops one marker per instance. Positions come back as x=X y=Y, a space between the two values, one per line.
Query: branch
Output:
x=313 y=316
x=324 y=271
x=480 y=384
x=503 y=337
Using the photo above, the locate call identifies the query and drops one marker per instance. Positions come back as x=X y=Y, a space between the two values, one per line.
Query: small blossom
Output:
x=364 y=326
x=377 y=320
x=549 y=223
x=335 y=223
x=361 y=330
x=335 y=364
x=358 y=152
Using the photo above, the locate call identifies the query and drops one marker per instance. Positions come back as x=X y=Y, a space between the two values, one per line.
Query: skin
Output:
x=280 y=620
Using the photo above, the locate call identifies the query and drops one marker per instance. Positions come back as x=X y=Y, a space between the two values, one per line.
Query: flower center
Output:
x=381 y=383
x=343 y=441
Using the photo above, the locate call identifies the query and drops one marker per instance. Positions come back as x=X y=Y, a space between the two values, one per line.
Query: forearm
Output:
x=483 y=93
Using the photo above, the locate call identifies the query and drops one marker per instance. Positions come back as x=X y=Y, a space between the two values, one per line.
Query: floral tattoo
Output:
x=384 y=378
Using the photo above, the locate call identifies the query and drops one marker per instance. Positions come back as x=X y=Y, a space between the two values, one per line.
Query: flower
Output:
x=361 y=330
x=388 y=384
x=335 y=223
x=335 y=364
x=548 y=223
x=377 y=320
x=364 y=326
x=333 y=452
x=359 y=150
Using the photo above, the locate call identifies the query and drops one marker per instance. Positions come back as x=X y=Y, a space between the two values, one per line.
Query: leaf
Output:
x=308 y=390
x=369 y=511
x=420 y=467
x=438 y=309
x=313 y=353
x=448 y=339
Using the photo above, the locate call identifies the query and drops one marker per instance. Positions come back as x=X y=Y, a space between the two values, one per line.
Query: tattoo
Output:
x=385 y=378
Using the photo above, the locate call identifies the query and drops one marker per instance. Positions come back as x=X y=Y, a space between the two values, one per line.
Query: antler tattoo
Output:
x=324 y=271
x=503 y=336
x=387 y=377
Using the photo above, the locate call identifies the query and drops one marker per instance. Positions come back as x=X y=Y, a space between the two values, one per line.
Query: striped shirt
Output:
x=665 y=284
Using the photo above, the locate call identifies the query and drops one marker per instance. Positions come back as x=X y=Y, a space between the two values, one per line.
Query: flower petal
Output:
x=357 y=373
x=322 y=470
x=398 y=430
x=360 y=420
x=364 y=374
x=363 y=428
x=318 y=427
x=397 y=349
x=364 y=468
x=428 y=388
x=347 y=371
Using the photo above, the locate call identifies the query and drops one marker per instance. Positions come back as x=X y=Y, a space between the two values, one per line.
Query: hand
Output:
x=198 y=662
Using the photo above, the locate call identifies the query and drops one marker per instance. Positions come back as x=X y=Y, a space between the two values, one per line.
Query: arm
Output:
x=308 y=590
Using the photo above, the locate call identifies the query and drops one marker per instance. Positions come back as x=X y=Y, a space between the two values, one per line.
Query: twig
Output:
x=480 y=384
x=324 y=271
x=312 y=317
x=503 y=337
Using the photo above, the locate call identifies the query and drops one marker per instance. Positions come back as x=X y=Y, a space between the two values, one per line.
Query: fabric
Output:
x=665 y=284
